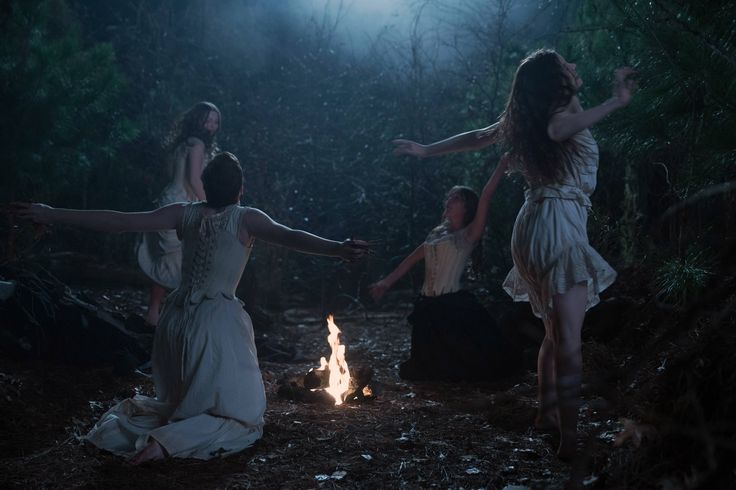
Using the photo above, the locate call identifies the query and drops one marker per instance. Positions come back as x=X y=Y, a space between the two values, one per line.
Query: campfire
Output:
x=332 y=381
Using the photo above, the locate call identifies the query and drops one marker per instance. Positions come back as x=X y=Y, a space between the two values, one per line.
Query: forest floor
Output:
x=411 y=435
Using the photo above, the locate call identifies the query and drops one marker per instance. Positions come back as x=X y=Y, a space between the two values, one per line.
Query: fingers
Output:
x=361 y=244
x=16 y=206
x=19 y=209
x=621 y=74
x=35 y=212
x=353 y=250
x=376 y=291
x=400 y=145
x=624 y=84
x=405 y=147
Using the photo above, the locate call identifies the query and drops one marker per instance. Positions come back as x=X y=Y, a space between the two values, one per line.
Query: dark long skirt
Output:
x=454 y=338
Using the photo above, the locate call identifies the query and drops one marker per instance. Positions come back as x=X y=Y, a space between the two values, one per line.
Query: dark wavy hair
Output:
x=191 y=124
x=540 y=88
x=222 y=180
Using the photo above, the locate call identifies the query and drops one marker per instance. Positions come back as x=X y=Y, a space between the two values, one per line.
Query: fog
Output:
x=444 y=28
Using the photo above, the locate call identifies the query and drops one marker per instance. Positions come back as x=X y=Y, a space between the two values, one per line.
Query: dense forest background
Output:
x=312 y=92
x=310 y=104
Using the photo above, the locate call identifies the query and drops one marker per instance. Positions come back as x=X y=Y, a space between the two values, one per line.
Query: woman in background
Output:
x=189 y=146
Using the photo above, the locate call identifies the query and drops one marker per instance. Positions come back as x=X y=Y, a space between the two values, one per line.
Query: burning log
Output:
x=311 y=387
x=332 y=382
x=359 y=389
x=317 y=379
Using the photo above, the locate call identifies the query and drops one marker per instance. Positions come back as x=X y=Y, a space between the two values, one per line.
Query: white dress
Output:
x=159 y=252
x=549 y=244
x=210 y=398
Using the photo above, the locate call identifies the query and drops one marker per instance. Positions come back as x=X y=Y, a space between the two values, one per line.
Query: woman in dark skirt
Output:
x=453 y=336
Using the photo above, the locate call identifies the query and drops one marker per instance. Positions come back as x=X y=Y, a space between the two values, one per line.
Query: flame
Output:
x=338 y=365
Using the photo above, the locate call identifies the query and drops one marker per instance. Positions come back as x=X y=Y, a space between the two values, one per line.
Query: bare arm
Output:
x=564 y=124
x=378 y=289
x=167 y=217
x=469 y=141
x=474 y=231
x=259 y=225
x=195 y=164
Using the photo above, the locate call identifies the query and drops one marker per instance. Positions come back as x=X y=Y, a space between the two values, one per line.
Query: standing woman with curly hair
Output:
x=555 y=268
x=189 y=146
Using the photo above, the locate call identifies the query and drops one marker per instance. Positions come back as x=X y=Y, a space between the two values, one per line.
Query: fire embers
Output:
x=332 y=382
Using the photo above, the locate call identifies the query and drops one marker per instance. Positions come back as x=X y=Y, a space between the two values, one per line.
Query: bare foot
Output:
x=152 y=452
x=547 y=421
x=568 y=446
x=151 y=318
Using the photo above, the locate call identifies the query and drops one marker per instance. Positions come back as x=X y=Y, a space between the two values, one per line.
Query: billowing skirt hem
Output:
x=579 y=263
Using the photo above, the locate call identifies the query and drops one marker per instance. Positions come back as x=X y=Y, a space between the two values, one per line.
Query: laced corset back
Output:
x=213 y=256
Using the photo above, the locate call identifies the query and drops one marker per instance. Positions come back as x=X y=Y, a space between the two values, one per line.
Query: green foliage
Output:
x=675 y=137
x=62 y=97
x=679 y=281
x=313 y=121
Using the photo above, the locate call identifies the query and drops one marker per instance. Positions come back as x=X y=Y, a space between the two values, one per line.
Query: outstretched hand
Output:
x=32 y=211
x=352 y=250
x=408 y=147
x=624 y=85
x=378 y=289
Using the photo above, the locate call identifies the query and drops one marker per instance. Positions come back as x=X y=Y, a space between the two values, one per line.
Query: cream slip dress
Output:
x=210 y=398
x=549 y=244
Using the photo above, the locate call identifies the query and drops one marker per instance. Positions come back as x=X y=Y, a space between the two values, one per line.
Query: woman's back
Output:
x=179 y=189
x=213 y=255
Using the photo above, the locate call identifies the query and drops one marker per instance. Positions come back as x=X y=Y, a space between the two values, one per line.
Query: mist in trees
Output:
x=312 y=93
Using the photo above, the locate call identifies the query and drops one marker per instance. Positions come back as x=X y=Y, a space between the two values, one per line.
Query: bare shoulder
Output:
x=249 y=213
x=254 y=218
x=558 y=121
x=194 y=142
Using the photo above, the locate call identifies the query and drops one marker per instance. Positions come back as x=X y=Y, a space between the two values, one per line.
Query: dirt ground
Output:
x=412 y=435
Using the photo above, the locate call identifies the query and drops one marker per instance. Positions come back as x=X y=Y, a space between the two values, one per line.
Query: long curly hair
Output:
x=540 y=88
x=191 y=124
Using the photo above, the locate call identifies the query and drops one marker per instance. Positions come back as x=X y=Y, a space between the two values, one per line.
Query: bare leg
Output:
x=547 y=417
x=155 y=298
x=152 y=452
x=569 y=313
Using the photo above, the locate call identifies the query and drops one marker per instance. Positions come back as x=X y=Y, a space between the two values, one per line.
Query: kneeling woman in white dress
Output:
x=210 y=398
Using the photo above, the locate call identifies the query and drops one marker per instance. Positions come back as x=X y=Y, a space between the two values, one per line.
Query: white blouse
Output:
x=445 y=257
